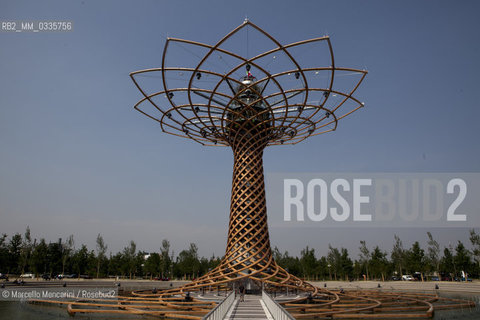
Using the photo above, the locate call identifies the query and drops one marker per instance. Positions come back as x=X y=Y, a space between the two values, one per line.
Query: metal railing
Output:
x=219 y=312
x=275 y=309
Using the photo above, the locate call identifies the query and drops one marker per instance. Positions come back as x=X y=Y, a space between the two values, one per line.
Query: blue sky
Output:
x=77 y=159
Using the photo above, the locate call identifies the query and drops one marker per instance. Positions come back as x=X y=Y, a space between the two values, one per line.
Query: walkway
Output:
x=251 y=308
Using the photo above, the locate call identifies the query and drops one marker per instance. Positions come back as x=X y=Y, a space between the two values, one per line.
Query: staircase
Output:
x=251 y=308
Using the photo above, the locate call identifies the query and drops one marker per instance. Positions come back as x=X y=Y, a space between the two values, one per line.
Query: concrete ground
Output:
x=427 y=286
x=126 y=285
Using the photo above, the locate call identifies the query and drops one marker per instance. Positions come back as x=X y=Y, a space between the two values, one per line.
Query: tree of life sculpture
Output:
x=247 y=113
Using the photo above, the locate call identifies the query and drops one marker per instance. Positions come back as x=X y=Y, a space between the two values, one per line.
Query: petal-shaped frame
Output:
x=207 y=123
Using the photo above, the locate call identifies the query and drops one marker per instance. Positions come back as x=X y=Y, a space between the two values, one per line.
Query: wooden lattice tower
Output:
x=247 y=113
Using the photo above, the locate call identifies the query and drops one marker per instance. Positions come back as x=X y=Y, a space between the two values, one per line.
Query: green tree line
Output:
x=375 y=264
x=20 y=254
